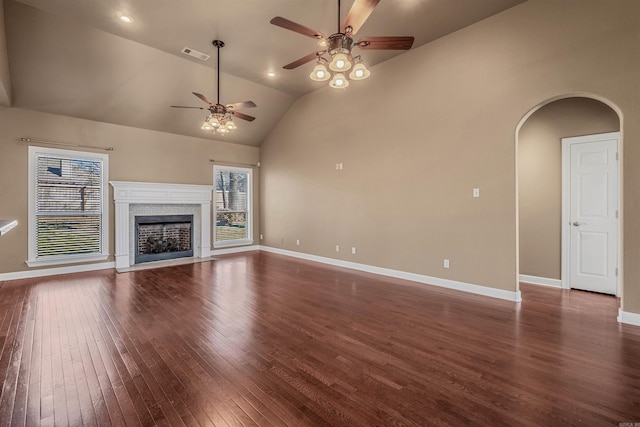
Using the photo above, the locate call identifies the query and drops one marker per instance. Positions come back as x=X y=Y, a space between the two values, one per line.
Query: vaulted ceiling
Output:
x=76 y=58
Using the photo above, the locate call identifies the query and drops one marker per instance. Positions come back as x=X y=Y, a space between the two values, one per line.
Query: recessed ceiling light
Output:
x=271 y=74
x=125 y=18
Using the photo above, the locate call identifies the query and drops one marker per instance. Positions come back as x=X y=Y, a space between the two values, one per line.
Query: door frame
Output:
x=566 y=200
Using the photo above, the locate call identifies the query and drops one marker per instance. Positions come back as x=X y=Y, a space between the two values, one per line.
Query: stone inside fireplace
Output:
x=163 y=237
x=137 y=211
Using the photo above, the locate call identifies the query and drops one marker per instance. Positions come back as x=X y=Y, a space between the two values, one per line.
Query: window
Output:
x=67 y=206
x=232 y=206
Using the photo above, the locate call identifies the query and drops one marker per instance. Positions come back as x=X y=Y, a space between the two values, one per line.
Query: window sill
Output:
x=66 y=260
x=232 y=243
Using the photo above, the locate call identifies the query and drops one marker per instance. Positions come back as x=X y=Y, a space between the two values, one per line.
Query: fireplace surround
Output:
x=143 y=198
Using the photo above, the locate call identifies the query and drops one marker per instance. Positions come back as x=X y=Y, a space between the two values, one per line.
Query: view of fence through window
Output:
x=231 y=205
x=68 y=206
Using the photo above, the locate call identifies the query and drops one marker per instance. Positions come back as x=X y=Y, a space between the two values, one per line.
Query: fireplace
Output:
x=144 y=199
x=162 y=237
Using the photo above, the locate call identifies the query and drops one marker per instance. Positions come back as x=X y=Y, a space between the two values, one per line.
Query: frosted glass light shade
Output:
x=339 y=81
x=207 y=124
x=320 y=73
x=340 y=62
x=359 y=72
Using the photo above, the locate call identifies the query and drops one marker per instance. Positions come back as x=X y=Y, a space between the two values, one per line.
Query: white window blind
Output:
x=68 y=205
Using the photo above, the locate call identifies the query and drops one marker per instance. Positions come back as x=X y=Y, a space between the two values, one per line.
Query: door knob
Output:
x=577 y=224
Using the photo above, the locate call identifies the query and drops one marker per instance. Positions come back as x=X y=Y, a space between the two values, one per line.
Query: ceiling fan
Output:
x=340 y=45
x=219 y=118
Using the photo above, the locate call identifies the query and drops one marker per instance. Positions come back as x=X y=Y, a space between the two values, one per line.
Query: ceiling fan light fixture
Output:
x=339 y=81
x=223 y=130
x=360 y=71
x=320 y=72
x=206 y=125
x=230 y=125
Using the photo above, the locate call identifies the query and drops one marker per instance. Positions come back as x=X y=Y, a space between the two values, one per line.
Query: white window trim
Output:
x=35 y=261
x=238 y=242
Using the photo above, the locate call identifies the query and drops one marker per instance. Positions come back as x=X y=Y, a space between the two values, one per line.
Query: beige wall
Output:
x=5 y=82
x=430 y=125
x=540 y=176
x=139 y=155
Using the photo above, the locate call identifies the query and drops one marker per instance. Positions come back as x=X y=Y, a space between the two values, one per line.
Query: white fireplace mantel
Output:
x=149 y=193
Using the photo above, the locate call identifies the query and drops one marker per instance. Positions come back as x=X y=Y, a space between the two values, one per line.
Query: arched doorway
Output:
x=539 y=178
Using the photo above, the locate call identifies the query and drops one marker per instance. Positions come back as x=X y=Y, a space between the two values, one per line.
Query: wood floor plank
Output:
x=34 y=372
x=11 y=362
x=258 y=339
x=19 y=415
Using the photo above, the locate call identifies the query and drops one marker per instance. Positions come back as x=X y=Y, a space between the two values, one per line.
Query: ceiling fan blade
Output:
x=389 y=43
x=294 y=26
x=303 y=60
x=245 y=104
x=204 y=98
x=242 y=116
x=181 y=106
x=358 y=14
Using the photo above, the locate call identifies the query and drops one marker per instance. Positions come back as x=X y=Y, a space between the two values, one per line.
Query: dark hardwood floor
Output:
x=262 y=339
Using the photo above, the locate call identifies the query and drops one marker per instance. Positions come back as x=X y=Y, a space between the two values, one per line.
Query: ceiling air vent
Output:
x=201 y=56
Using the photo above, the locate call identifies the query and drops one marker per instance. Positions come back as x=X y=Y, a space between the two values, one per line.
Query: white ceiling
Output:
x=75 y=58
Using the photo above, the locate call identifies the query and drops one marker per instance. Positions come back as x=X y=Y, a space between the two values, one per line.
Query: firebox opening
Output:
x=163 y=237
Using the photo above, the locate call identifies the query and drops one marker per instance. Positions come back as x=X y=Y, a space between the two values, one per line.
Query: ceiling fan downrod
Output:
x=218 y=44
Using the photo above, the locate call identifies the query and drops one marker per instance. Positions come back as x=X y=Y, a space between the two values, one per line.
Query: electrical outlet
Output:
x=337 y=248
x=353 y=250
x=446 y=263
x=298 y=242
x=476 y=192
x=261 y=237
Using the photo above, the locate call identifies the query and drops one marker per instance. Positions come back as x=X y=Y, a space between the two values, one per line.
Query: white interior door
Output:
x=593 y=212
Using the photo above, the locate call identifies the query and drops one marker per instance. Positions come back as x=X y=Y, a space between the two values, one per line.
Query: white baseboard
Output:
x=542 y=281
x=235 y=250
x=628 y=317
x=57 y=270
x=27 y=274
x=427 y=280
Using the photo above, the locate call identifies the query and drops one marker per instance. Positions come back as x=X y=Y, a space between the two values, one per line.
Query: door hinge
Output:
x=617 y=156
x=616 y=271
x=617 y=214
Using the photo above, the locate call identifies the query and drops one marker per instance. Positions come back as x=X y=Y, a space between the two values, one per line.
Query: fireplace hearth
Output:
x=163 y=237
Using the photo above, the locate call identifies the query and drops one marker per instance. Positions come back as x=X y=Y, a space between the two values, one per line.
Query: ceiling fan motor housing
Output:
x=340 y=43
x=218 y=109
